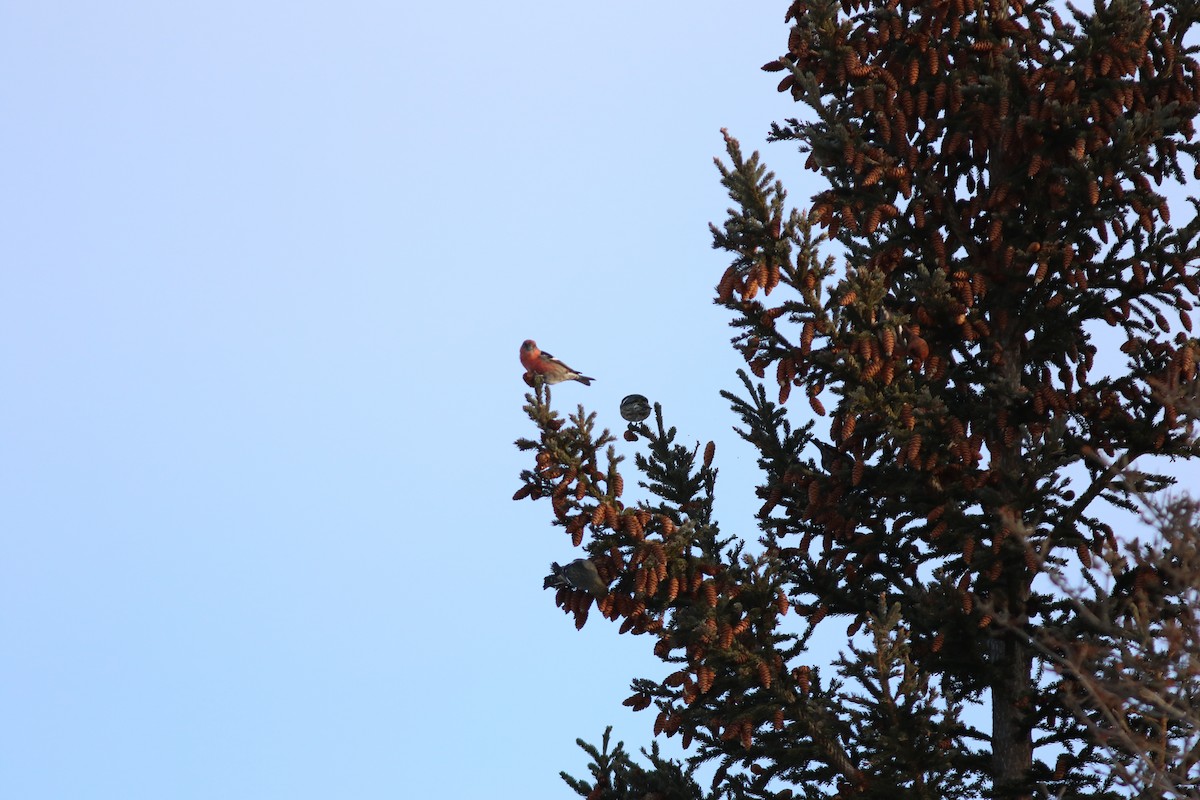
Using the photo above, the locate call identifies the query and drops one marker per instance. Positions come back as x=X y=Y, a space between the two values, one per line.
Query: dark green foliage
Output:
x=615 y=776
x=991 y=202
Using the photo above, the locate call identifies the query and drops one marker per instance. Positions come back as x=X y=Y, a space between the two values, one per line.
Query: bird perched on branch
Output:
x=579 y=574
x=539 y=362
x=830 y=456
x=635 y=408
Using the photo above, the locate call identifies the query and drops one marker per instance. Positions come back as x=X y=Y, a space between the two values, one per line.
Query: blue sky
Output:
x=266 y=268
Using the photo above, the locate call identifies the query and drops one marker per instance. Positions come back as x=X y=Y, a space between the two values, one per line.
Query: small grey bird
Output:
x=830 y=455
x=635 y=408
x=579 y=574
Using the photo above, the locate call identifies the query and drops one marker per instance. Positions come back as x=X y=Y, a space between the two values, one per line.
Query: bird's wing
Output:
x=558 y=361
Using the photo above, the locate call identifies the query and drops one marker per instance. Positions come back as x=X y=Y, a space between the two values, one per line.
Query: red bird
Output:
x=539 y=362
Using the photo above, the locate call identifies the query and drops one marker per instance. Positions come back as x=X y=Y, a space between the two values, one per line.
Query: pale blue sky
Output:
x=265 y=270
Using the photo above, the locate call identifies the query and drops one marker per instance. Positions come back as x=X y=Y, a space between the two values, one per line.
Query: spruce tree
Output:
x=993 y=211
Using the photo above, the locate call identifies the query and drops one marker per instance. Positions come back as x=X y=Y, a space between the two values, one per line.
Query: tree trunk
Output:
x=1012 y=745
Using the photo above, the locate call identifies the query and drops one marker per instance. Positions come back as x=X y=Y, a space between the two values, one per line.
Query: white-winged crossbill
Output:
x=579 y=574
x=635 y=408
x=539 y=362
